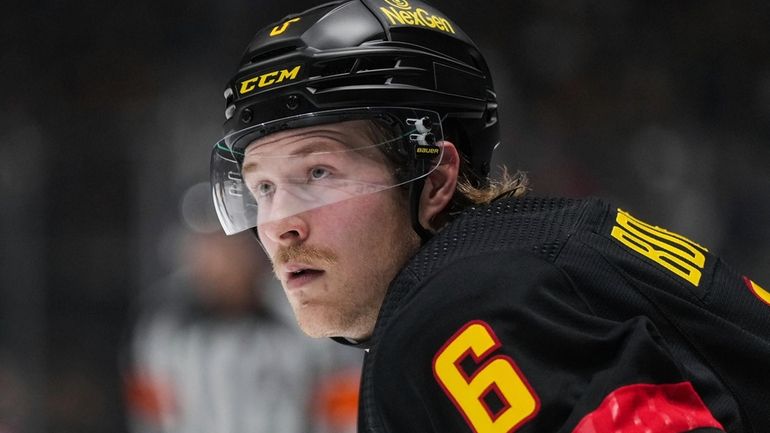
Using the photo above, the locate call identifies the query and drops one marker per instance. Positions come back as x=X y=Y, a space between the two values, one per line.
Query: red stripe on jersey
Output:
x=640 y=408
x=761 y=294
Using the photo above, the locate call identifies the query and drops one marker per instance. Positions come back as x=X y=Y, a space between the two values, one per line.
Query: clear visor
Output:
x=274 y=170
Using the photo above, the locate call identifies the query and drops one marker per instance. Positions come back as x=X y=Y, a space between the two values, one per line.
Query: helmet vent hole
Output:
x=377 y=63
x=337 y=67
x=272 y=54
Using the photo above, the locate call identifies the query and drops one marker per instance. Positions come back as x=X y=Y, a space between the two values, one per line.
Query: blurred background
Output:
x=109 y=110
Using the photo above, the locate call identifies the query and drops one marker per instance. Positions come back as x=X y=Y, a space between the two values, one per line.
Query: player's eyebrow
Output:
x=327 y=144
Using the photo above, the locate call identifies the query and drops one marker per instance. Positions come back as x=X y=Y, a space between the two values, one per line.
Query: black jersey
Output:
x=554 y=315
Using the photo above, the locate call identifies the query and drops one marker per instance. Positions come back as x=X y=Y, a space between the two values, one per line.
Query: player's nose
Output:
x=287 y=231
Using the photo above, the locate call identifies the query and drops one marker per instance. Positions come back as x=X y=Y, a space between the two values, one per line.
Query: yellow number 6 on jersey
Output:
x=498 y=374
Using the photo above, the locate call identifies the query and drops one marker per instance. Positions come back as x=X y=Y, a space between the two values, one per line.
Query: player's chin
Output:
x=314 y=321
x=319 y=322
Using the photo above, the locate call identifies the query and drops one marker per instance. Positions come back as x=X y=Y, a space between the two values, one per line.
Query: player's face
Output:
x=336 y=261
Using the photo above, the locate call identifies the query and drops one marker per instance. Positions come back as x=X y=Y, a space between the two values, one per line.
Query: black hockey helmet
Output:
x=340 y=59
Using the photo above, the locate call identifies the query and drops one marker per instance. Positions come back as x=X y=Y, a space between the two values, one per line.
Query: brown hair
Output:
x=507 y=185
x=468 y=195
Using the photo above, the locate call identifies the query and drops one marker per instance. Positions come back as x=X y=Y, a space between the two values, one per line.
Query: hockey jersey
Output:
x=539 y=315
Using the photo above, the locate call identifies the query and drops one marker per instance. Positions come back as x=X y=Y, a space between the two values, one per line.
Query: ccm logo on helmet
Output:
x=401 y=13
x=268 y=79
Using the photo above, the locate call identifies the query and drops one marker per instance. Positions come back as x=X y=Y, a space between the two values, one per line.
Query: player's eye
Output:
x=263 y=189
x=318 y=173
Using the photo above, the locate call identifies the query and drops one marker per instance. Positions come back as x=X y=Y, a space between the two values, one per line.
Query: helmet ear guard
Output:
x=372 y=54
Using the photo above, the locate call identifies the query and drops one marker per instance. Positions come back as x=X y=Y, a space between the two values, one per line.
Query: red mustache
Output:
x=304 y=254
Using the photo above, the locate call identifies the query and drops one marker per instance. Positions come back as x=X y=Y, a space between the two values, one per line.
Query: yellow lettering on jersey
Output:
x=681 y=256
x=498 y=374
x=761 y=293
x=268 y=79
x=277 y=30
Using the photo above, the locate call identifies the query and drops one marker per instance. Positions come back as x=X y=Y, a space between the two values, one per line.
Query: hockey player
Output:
x=359 y=138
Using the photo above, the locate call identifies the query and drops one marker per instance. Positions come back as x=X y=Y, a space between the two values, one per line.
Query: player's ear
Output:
x=439 y=186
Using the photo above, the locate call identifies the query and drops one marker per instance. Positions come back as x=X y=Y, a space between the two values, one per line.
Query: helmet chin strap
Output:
x=415 y=191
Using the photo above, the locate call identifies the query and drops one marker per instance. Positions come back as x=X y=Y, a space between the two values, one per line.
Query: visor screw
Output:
x=246 y=116
x=292 y=103
x=430 y=139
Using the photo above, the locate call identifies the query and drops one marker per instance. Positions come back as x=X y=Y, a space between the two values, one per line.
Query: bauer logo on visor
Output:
x=289 y=166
